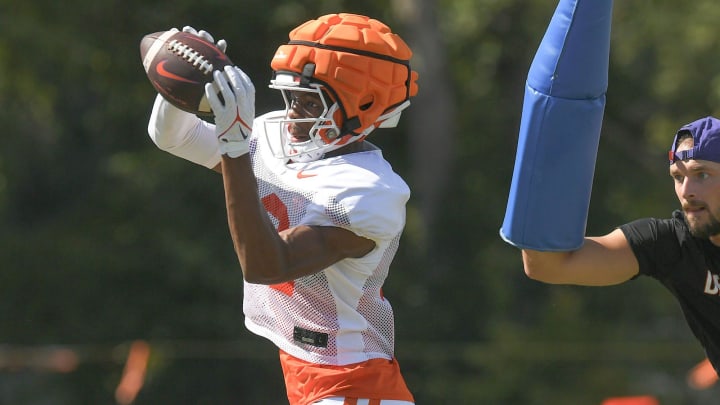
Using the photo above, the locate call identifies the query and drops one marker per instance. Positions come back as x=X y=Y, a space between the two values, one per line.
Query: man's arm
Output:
x=266 y=256
x=269 y=257
x=601 y=261
x=183 y=134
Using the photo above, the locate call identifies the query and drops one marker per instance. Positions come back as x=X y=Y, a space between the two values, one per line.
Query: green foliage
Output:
x=105 y=239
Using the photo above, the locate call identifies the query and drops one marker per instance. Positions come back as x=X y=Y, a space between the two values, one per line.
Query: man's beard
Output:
x=704 y=229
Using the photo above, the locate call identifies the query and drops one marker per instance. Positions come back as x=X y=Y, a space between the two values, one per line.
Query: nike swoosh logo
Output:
x=160 y=69
x=302 y=175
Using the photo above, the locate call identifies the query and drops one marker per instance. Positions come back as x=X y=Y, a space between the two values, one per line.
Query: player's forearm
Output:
x=601 y=261
x=259 y=248
x=182 y=134
x=545 y=266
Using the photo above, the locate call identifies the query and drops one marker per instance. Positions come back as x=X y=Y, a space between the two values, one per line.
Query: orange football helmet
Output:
x=358 y=67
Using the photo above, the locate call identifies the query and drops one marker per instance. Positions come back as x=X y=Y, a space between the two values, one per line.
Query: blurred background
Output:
x=118 y=281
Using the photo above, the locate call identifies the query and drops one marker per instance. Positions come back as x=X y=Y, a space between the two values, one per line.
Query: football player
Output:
x=314 y=210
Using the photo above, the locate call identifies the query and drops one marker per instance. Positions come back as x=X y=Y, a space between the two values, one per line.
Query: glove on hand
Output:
x=221 y=44
x=234 y=114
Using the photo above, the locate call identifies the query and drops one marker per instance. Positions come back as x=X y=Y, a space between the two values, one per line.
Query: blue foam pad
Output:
x=560 y=130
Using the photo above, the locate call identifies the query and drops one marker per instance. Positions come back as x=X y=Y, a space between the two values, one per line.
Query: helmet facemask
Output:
x=323 y=136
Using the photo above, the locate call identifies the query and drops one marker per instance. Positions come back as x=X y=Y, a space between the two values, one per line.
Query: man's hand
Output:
x=221 y=44
x=234 y=114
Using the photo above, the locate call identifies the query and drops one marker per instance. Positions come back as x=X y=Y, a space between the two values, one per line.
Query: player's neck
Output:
x=354 y=147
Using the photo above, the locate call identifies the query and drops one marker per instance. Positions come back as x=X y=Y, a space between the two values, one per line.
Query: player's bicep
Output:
x=604 y=260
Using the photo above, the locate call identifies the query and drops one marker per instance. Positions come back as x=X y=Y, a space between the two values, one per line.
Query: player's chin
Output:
x=694 y=215
x=703 y=227
x=299 y=140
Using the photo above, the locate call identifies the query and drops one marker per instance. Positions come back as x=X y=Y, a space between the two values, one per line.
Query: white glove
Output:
x=221 y=44
x=235 y=113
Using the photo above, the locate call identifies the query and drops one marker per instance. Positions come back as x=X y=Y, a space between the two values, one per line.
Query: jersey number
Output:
x=277 y=209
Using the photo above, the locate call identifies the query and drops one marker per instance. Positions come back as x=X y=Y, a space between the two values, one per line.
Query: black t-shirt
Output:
x=689 y=267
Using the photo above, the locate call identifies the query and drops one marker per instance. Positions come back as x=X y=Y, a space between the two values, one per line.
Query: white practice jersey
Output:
x=339 y=315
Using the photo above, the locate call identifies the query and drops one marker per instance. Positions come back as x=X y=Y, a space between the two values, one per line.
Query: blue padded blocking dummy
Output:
x=560 y=130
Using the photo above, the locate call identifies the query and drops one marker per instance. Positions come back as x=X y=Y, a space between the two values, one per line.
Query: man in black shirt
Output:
x=682 y=252
x=549 y=195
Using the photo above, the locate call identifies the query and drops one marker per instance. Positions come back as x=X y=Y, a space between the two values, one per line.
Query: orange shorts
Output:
x=360 y=401
x=374 y=379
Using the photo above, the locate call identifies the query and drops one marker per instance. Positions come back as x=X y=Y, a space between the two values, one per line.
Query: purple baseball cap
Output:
x=706 y=137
